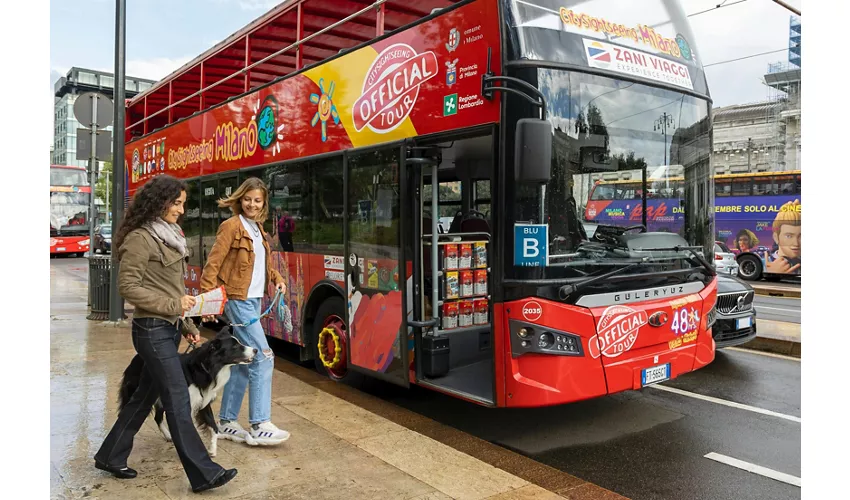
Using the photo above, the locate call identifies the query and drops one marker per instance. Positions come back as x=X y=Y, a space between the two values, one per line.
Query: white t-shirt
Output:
x=257 y=287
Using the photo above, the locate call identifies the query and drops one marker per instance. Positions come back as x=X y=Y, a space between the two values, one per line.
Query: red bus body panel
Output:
x=618 y=343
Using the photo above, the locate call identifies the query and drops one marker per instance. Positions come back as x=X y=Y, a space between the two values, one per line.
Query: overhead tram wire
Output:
x=745 y=57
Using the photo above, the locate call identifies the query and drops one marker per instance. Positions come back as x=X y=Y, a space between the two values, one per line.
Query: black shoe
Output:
x=119 y=472
x=221 y=480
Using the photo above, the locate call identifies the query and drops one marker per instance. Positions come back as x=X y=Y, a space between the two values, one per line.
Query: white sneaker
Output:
x=266 y=434
x=233 y=431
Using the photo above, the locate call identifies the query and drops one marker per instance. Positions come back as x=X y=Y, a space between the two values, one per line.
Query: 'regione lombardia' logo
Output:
x=616 y=332
x=391 y=87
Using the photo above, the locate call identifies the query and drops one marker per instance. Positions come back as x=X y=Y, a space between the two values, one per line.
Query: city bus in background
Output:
x=426 y=161
x=757 y=215
x=70 y=195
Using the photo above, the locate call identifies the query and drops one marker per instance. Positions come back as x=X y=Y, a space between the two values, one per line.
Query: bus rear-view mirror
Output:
x=533 y=161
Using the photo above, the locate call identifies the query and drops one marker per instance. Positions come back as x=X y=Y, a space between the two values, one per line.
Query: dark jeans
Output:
x=156 y=342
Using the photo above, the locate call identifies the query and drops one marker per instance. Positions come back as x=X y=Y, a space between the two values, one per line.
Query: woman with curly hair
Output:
x=152 y=250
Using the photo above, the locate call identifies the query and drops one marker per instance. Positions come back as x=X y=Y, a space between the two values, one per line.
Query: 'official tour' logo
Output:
x=616 y=332
x=392 y=86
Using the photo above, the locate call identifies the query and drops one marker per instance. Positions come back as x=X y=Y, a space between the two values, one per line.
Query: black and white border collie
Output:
x=207 y=370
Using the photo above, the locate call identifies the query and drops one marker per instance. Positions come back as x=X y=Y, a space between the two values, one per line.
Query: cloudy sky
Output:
x=164 y=34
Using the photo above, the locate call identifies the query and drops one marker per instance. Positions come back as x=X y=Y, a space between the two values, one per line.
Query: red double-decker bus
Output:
x=425 y=160
x=69 y=207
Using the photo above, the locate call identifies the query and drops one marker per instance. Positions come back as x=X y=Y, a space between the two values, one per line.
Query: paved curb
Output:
x=776 y=337
x=549 y=478
x=776 y=291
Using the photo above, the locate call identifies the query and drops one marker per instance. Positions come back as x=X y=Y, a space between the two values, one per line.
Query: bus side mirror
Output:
x=533 y=146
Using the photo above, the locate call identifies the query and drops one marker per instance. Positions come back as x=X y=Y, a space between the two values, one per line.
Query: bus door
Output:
x=453 y=351
x=376 y=271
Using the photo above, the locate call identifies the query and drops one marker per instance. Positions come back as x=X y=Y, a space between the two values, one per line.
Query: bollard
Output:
x=100 y=268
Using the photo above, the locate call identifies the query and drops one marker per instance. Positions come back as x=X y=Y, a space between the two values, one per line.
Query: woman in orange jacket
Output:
x=240 y=260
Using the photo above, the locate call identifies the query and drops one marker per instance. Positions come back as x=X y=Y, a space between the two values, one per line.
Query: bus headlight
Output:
x=85 y=243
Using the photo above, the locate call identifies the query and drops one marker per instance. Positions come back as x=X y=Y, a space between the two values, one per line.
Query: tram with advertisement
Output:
x=425 y=162
x=70 y=194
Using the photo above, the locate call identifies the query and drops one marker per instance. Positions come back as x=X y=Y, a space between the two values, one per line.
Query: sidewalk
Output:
x=777 y=337
x=337 y=450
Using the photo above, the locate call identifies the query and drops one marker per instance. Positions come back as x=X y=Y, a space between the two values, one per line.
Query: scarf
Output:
x=168 y=234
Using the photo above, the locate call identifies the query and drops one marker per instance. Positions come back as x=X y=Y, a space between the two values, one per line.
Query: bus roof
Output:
x=310 y=31
x=719 y=176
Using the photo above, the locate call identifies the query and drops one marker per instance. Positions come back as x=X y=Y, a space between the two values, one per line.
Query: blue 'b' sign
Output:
x=530 y=245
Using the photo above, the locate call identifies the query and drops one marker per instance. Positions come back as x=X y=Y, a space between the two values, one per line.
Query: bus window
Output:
x=327 y=204
x=191 y=223
x=602 y=192
x=628 y=192
x=723 y=187
x=741 y=186
x=289 y=193
x=798 y=187
x=449 y=199
x=763 y=186
x=482 y=197
x=787 y=184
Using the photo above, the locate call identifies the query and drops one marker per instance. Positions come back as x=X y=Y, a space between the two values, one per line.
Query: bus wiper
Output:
x=696 y=255
x=565 y=291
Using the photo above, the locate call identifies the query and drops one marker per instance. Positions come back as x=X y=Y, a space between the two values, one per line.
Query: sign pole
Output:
x=92 y=178
x=116 y=303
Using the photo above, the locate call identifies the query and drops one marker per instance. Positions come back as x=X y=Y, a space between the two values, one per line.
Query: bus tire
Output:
x=331 y=315
x=750 y=267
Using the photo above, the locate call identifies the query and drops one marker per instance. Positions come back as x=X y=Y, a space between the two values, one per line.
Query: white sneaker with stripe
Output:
x=233 y=431
x=267 y=433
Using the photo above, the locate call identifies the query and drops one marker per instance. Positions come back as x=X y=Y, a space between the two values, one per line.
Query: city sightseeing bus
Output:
x=757 y=215
x=69 y=207
x=371 y=122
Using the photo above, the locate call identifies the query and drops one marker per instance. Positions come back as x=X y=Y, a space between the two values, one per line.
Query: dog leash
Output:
x=275 y=302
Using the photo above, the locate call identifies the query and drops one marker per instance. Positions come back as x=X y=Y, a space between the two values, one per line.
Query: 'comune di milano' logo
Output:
x=617 y=331
x=392 y=86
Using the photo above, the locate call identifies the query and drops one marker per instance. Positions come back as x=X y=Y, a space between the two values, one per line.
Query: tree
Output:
x=102 y=189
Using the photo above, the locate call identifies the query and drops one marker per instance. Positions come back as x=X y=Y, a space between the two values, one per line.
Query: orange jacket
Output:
x=231 y=261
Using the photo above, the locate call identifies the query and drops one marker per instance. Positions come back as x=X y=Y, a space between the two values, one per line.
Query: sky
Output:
x=162 y=35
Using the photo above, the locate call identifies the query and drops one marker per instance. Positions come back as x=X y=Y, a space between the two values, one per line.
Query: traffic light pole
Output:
x=116 y=303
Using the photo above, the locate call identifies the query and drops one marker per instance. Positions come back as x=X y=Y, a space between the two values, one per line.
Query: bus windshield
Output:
x=608 y=129
x=68 y=177
x=68 y=213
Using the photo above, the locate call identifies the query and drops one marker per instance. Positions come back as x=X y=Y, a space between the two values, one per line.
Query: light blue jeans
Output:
x=257 y=376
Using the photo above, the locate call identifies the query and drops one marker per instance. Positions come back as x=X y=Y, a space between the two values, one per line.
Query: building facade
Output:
x=66 y=90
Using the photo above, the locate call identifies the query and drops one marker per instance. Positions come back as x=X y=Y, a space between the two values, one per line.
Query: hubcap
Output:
x=328 y=345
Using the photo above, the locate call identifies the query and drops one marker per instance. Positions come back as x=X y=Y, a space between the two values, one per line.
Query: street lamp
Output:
x=663 y=121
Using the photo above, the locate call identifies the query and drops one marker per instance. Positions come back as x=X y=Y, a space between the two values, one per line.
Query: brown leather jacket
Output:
x=231 y=261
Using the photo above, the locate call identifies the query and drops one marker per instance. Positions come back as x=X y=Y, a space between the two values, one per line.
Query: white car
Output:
x=724 y=260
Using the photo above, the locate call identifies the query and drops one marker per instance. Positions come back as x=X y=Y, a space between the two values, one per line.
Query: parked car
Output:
x=736 y=316
x=102 y=239
x=724 y=260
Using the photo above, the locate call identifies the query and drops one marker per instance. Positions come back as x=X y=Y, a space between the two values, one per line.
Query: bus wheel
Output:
x=750 y=267
x=329 y=340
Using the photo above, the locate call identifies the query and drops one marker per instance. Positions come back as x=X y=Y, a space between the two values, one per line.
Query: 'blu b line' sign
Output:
x=530 y=245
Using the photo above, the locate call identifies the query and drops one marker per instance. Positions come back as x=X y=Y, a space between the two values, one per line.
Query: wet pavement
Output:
x=651 y=444
x=337 y=449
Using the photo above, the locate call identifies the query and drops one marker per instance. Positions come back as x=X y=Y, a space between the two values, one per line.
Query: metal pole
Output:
x=435 y=249
x=789 y=7
x=116 y=303
x=106 y=195
x=93 y=176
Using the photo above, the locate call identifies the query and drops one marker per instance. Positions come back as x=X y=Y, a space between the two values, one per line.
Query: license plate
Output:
x=743 y=323
x=733 y=271
x=60 y=249
x=655 y=374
